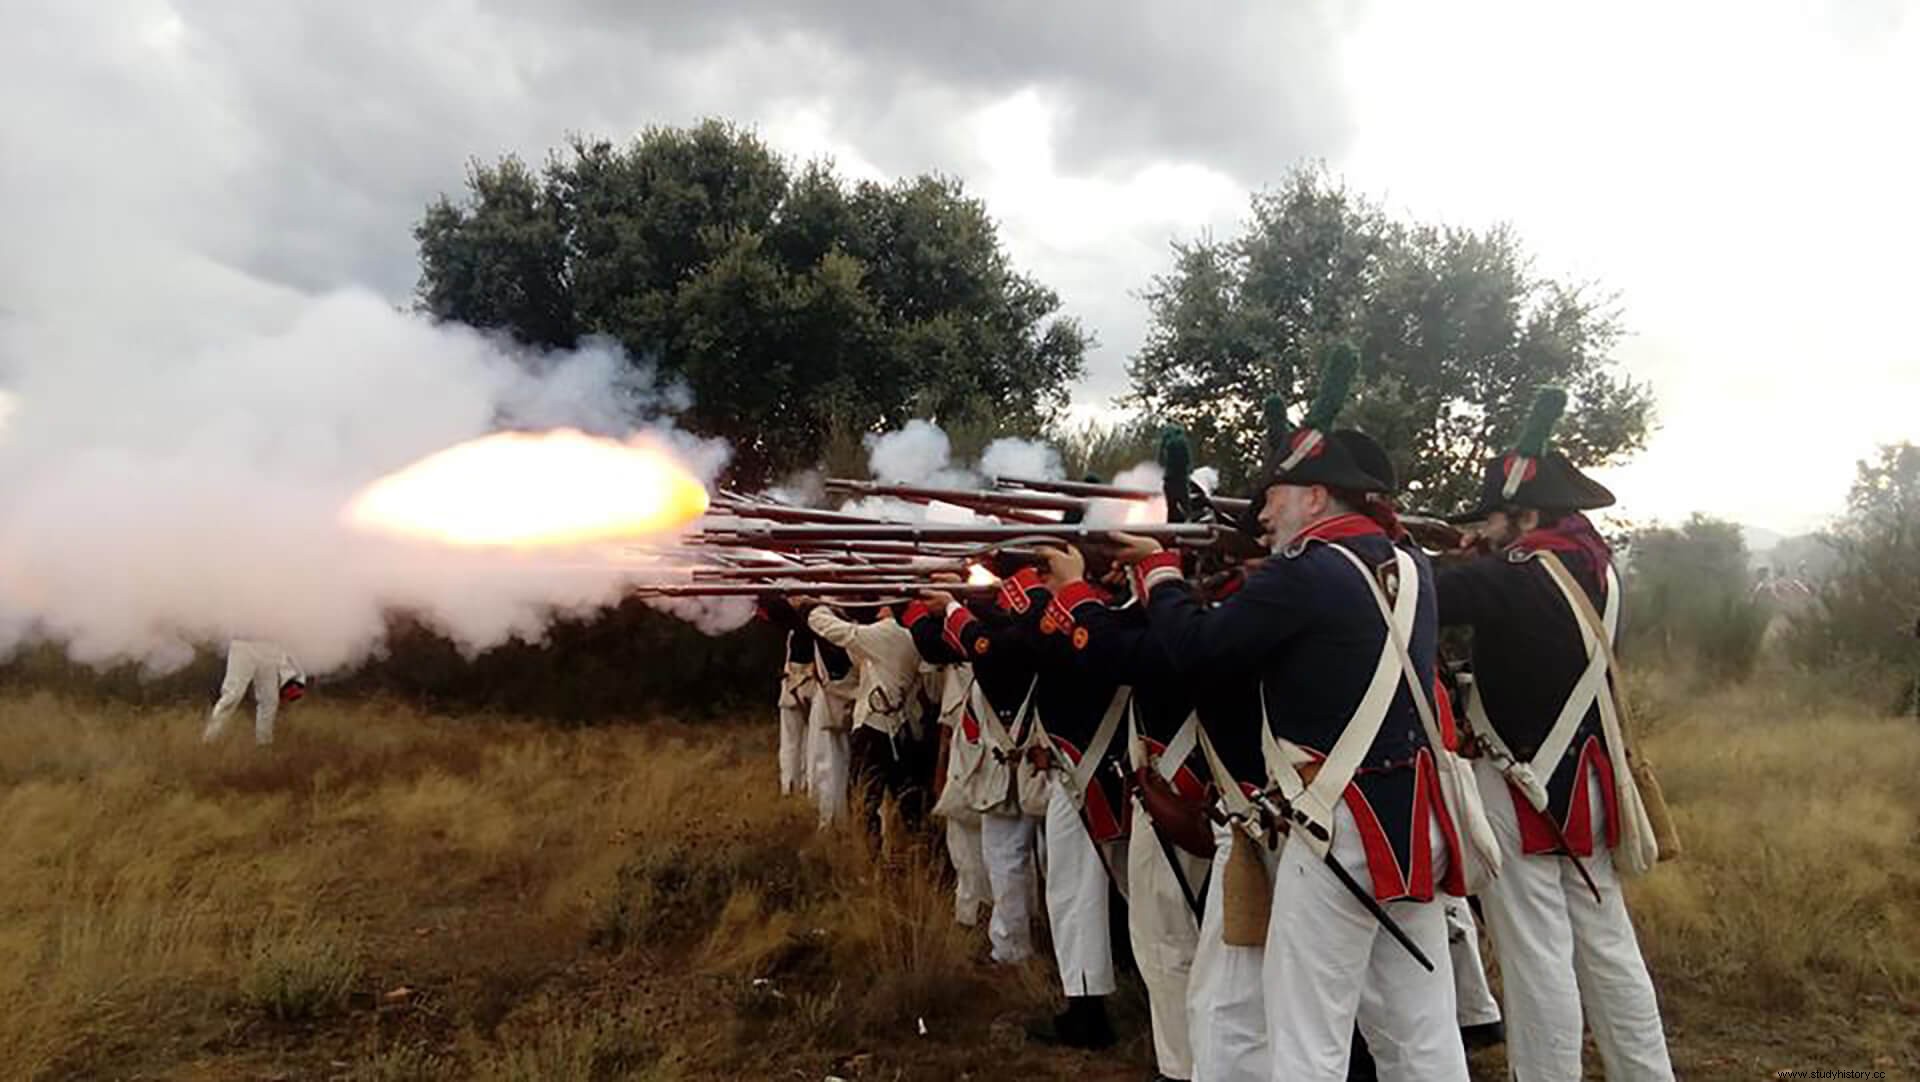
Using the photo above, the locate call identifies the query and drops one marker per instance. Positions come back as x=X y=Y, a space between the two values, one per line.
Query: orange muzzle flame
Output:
x=534 y=490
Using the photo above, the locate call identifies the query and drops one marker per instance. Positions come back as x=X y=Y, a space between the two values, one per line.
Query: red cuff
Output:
x=1068 y=598
x=915 y=612
x=1016 y=591
x=954 y=629
x=1163 y=566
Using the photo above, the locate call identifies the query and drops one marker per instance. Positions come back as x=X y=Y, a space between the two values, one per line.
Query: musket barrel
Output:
x=903 y=588
x=1089 y=490
x=939 y=533
x=832 y=572
x=779 y=512
x=991 y=502
x=1086 y=490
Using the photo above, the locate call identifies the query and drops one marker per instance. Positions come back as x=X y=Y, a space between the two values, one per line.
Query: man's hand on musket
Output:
x=1130 y=549
x=937 y=600
x=1065 y=564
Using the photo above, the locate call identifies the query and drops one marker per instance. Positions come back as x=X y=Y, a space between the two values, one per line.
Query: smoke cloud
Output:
x=1010 y=457
x=178 y=481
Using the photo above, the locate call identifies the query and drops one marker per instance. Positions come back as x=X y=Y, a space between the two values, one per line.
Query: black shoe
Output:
x=1484 y=1035
x=1083 y=1024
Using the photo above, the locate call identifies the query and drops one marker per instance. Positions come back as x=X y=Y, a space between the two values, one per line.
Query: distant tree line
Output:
x=803 y=311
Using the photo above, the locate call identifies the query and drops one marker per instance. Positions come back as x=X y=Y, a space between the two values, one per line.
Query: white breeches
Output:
x=1329 y=963
x=1472 y=998
x=1561 y=953
x=827 y=748
x=1164 y=931
x=971 y=890
x=1226 y=1002
x=243 y=672
x=793 y=748
x=1076 y=885
x=1007 y=841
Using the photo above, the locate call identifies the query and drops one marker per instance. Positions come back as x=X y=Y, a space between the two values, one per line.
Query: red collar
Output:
x=1339 y=528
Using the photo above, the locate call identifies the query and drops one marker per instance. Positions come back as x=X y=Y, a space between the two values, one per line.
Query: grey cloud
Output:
x=298 y=143
x=1250 y=88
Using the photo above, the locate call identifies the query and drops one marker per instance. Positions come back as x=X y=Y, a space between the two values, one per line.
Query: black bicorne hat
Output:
x=1532 y=476
x=1312 y=453
x=1370 y=456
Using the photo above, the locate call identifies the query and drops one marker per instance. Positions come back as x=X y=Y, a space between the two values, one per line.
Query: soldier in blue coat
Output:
x=1346 y=753
x=1068 y=717
x=1548 y=774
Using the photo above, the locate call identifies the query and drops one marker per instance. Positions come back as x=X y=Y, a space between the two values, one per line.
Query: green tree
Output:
x=1868 y=604
x=1690 y=598
x=790 y=303
x=1454 y=328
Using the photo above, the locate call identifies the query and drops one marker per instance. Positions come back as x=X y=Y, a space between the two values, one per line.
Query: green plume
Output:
x=1176 y=455
x=1274 y=411
x=1548 y=404
x=1338 y=366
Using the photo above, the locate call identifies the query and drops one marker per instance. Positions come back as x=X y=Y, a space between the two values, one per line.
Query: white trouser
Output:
x=1226 y=1003
x=242 y=672
x=1076 y=884
x=1163 y=929
x=1006 y=841
x=1472 y=998
x=1329 y=963
x=1561 y=953
x=971 y=889
x=793 y=746
x=827 y=748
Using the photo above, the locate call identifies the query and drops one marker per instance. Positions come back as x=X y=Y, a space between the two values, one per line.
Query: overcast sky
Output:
x=1743 y=175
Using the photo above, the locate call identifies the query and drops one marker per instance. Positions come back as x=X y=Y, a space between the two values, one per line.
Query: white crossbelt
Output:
x=1082 y=773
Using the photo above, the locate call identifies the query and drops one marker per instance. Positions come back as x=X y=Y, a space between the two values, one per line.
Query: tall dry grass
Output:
x=1796 y=905
x=424 y=897
x=388 y=896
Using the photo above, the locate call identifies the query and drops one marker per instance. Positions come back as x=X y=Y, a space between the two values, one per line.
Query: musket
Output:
x=992 y=502
x=1434 y=534
x=918 y=534
x=904 y=588
x=1089 y=490
x=833 y=572
x=780 y=512
x=1275 y=805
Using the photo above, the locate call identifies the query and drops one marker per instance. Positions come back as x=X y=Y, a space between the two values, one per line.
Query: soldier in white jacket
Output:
x=274 y=676
x=888 y=668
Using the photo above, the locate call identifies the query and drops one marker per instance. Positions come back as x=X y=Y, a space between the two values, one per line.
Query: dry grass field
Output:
x=387 y=896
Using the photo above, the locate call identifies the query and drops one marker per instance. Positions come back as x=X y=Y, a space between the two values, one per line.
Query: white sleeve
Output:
x=832 y=628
